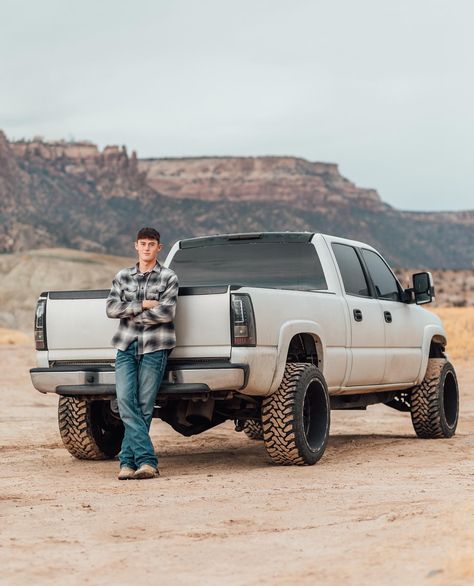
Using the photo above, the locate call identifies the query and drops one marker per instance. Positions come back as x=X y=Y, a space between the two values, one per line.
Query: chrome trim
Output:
x=81 y=363
x=46 y=382
x=218 y=379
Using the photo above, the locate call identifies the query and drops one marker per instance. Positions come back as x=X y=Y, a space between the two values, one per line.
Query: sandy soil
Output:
x=381 y=507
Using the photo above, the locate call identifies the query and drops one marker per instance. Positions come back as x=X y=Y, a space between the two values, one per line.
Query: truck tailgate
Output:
x=203 y=323
x=79 y=329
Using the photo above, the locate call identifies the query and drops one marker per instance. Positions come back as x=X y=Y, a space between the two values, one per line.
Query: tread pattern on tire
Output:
x=280 y=438
x=425 y=402
x=253 y=429
x=74 y=417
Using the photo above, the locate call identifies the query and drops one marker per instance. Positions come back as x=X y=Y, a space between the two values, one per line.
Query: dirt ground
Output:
x=381 y=507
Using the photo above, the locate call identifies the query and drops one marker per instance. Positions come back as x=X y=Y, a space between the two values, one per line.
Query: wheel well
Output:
x=305 y=347
x=437 y=348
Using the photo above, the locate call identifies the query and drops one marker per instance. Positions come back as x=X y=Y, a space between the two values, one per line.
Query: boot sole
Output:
x=145 y=476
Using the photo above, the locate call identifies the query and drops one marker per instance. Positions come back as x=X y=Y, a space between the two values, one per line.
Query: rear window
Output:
x=280 y=265
x=351 y=270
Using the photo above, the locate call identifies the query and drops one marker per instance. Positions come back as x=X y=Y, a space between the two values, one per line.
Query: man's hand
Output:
x=149 y=303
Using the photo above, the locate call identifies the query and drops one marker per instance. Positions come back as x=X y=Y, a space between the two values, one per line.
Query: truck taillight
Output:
x=243 y=320
x=40 y=324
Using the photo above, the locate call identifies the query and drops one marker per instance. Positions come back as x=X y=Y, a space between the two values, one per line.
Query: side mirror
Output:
x=423 y=288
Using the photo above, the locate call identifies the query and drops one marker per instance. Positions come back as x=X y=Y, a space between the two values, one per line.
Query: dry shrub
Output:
x=459 y=325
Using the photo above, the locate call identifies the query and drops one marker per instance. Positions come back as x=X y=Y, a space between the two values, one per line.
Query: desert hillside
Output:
x=74 y=195
x=26 y=275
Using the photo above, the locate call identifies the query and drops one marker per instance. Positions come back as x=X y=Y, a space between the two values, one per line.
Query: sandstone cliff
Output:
x=74 y=195
x=285 y=179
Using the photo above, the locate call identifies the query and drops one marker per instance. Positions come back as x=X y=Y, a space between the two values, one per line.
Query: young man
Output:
x=144 y=298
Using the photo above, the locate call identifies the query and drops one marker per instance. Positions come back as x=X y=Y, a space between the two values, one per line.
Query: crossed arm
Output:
x=144 y=313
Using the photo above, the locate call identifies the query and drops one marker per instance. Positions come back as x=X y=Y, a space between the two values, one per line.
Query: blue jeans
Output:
x=137 y=380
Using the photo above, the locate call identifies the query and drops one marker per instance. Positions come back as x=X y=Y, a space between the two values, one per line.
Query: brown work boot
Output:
x=146 y=471
x=126 y=473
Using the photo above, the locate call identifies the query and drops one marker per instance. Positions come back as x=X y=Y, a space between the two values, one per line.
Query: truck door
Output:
x=366 y=317
x=403 y=333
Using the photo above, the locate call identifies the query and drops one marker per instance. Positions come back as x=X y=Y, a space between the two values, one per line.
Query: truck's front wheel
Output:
x=296 y=417
x=89 y=429
x=435 y=402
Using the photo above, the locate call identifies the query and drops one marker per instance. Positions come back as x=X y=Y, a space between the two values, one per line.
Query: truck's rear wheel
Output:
x=253 y=429
x=435 y=402
x=296 y=417
x=89 y=429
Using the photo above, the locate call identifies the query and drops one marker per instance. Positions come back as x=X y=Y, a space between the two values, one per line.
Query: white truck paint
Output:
x=354 y=356
x=266 y=324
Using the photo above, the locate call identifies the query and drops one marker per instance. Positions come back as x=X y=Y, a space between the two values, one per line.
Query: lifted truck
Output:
x=273 y=331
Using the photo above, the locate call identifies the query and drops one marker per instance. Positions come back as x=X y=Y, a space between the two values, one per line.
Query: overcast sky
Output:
x=384 y=88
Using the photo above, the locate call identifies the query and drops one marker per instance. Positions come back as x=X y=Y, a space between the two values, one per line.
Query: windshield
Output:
x=283 y=265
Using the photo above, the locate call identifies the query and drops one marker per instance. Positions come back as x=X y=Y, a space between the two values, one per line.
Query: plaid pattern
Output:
x=152 y=328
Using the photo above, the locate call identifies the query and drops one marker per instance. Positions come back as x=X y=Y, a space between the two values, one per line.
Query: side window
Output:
x=351 y=270
x=384 y=282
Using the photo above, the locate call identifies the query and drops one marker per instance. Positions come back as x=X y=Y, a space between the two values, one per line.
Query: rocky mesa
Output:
x=290 y=180
x=74 y=195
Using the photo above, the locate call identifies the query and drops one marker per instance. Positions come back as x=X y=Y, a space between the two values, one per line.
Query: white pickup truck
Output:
x=273 y=331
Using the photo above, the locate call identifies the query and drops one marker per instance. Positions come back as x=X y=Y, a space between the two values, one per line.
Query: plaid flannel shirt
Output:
x=152 y=328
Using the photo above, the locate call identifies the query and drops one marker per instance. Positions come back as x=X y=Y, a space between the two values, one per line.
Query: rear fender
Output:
x=287 y=331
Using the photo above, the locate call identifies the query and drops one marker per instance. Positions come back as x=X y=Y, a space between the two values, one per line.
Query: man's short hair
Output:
x=150 y=233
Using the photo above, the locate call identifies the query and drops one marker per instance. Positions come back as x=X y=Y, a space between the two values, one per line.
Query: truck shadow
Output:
x=343 y=438
x=226 y=458
x=342 y=448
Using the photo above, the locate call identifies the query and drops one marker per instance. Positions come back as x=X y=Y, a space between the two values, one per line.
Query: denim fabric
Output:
x=138 y=378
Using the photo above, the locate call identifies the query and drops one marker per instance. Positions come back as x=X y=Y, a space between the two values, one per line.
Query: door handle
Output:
x=357 y=314
x=388 y=317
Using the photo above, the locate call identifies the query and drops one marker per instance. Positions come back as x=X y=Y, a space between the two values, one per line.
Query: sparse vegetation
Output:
x=459 y=325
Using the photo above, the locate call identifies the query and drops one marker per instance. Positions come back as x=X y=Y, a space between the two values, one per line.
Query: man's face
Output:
x=147 y=249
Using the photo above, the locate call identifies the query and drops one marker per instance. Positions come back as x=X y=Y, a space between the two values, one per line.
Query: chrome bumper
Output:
x=52 y=380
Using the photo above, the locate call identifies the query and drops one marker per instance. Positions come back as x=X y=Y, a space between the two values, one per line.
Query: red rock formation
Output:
x=74 y=195
x=286 y=179
x=55 y=150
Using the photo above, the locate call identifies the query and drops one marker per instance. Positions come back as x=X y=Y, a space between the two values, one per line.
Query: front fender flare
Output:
x=431 y=331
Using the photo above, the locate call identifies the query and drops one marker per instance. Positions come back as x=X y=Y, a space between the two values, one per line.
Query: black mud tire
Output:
x=435 y=402
x=89 y=429
x=253 y=429
x=296 y=418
